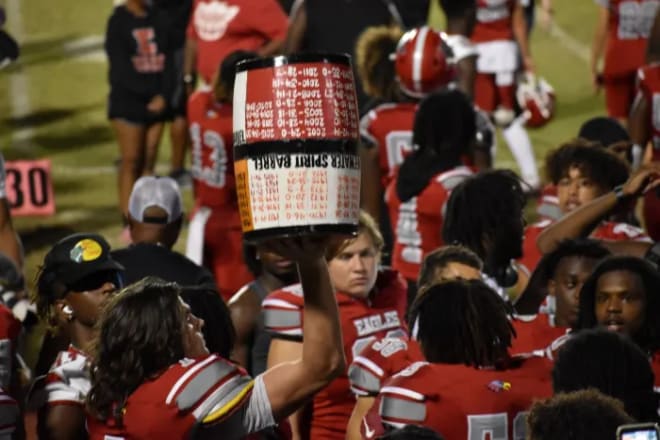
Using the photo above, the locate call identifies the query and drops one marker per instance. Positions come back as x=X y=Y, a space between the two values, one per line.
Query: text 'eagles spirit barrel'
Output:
x=295 y=146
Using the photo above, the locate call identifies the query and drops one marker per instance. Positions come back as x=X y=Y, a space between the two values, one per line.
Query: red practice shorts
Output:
x=619 y=95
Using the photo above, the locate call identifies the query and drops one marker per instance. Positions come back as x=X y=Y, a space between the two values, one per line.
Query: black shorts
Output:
x=132 y=108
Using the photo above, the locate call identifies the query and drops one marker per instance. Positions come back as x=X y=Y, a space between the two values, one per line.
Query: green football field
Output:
x=52 y=105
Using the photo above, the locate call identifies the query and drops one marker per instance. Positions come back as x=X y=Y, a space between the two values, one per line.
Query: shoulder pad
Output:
x=281 y=315
x=451 y=179
x=205 y=383
x=401 y=404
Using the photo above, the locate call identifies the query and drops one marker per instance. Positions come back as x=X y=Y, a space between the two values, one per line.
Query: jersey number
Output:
x=636 y=19
x=360 y=343
x=399 y=145
x=495 y=427
x=213 y=175
x=407 y=234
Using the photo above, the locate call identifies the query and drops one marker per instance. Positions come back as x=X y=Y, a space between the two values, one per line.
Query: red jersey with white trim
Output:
x=362 y=322
x=379 y=361
x=212 y=152
x=494 y=21
x=534 y=334
x=648 y=78
x=189 y=393
x=605 y=231
x=463 y=402
x=221 y=27
x=628 y=30
x=389 y=127
x=9 y=415
x=417 y=222
x=66 y=383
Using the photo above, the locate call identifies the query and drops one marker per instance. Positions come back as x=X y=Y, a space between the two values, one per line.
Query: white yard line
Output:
x=572 y=44
x=90 y=46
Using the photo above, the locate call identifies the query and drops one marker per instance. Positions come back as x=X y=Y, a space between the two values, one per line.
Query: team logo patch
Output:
x=498 y=386
x=85 y=250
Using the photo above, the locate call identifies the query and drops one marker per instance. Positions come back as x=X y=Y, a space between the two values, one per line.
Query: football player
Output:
x=444 y=130
x=485 y=214
x=271 y=272
x=371 y=306
x=385 y=357
x=470 y=383
x=622 y=31
x=216 y=205
x=621 y=296
x=581 y=171
x=548 y=307
x=644 y=126
x=590 y=217
x=154 y=377
x=500 y=36
x=77 y=279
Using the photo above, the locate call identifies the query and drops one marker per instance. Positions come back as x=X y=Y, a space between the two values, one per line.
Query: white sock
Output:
x=520 y=145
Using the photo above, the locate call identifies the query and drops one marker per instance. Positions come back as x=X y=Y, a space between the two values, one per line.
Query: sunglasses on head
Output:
x=96 y=280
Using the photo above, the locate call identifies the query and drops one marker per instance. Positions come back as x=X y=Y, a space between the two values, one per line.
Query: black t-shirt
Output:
x=139 y=53
x=324 y=17
x=178 y=14
x=144 y=259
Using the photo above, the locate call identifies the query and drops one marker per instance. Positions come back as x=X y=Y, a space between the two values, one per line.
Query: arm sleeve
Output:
x=258 y=414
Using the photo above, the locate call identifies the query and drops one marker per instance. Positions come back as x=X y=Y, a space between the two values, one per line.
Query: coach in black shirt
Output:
x=155 y=216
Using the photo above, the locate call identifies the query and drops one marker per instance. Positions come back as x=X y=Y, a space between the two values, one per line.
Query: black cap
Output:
x=605 y=130
x=79 y=255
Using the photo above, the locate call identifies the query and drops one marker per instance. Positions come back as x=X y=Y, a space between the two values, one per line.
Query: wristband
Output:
x=618 y=192
x=188 y=78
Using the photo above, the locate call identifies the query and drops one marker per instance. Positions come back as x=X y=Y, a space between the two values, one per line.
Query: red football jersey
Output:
x=221 y=27
x=534 y=334
x=212 y=152
x=379 y=361
x=462 y=402
x=389 y=127
x=649 y=85
x=66 y=383
x=189 y=393
x=494 y=21
x=417 y=223
x=362 y=324
x=627 y=34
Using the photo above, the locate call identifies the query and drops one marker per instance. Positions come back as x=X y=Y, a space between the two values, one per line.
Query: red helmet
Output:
x=537 y=100
x=421 y=63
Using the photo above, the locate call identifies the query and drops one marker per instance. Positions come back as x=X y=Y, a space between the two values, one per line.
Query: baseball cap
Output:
x=150 y=191
x=77 y=256
x=605 y=130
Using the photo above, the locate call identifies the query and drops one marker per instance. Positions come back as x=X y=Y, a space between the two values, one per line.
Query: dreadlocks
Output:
x=462 y=322
x=484 y=214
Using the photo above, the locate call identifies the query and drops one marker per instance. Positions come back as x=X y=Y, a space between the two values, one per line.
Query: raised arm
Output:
x=291 y=384
x=582 y=221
